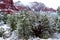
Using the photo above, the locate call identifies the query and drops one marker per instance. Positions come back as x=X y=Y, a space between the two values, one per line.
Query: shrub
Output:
x=29 y=23
x=3 y=17
x=25 y=23
x=1 y=32
x=12 y=21
x=58 y=10
x=58 y=25
x=44 y=29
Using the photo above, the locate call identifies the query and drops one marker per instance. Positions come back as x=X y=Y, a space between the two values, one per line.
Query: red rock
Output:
x=6 y=5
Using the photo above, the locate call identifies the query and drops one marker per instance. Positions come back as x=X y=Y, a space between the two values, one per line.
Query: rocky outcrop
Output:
x=6 y=5
x=9 y=6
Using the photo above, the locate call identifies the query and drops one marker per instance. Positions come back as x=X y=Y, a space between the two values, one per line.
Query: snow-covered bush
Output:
x=35 y=24
x=5 y=31
x=25 y=23
x=3 y=17
x=28 y=23
x=45 y=28
x=58 y=24
x=58 y=10
x=1 y=31
x=12 y=21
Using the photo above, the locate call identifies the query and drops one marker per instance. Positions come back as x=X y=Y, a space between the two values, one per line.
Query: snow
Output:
x=57 y=35
x=1 y=38
x=4 y=26
x=1 y=2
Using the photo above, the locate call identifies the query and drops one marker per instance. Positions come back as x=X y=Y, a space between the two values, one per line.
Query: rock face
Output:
x=8 y=6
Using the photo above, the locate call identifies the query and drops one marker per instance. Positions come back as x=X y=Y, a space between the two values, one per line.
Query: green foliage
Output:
x=58 y=10
x=1 y=32
x=29 y=23
x=58 y=25
x=25 y=24
x=43 y=29
x=3 y=17
x=12 y=21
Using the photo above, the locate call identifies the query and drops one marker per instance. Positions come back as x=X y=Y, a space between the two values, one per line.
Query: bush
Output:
x=3 y=17
x=25 y=23
x=44 y=29
x=58 y=10
x=12 y=21
x=58 y=25
x=29 y=23
x=1 y=32
x=35 y=24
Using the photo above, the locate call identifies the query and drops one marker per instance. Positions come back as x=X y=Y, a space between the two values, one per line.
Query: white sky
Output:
x=50 y=3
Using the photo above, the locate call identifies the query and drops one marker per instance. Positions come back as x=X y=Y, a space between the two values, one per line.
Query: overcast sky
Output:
x=50 y=3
